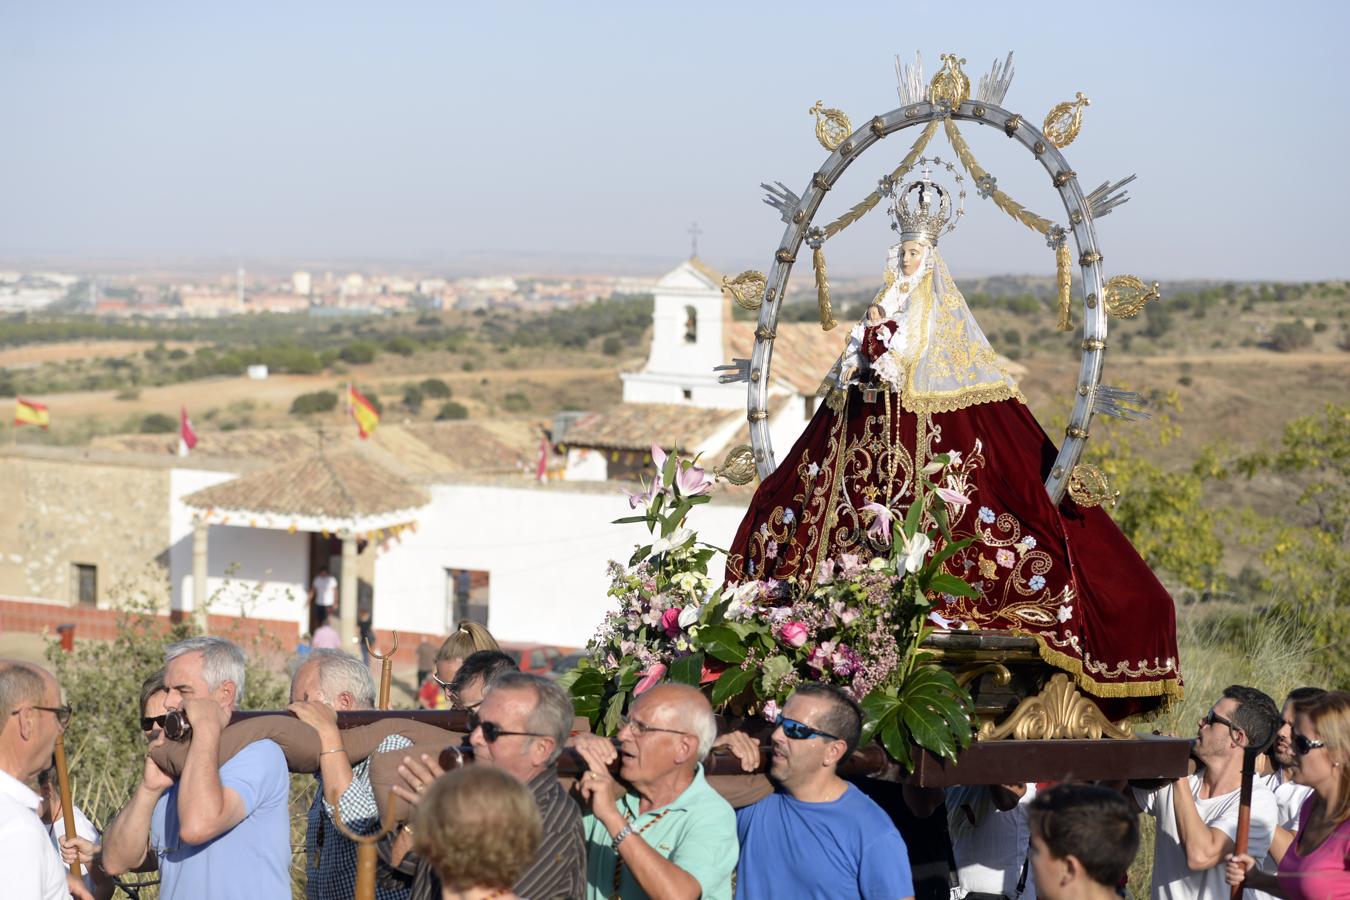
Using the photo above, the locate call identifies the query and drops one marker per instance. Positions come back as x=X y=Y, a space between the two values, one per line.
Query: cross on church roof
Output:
x=694 y=232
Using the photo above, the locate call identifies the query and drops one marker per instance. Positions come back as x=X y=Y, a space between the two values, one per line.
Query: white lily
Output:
x=916 y=548
x=681 y=537
x=689 y=615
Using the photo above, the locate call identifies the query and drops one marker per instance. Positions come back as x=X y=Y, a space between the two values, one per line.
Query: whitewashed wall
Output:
x=261 y=572
x=545 y=549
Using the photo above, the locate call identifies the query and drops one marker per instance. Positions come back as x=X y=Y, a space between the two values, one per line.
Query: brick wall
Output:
x=101 y=624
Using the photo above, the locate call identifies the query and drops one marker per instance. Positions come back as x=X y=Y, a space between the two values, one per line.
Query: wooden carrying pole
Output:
x=1244 y=827
x=367 y=854
x=386 y=669
x=67 y=805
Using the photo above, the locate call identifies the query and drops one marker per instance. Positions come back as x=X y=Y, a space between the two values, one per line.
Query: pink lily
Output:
x=880 y=528
x=650 y=678
x=659 y=460
x=951 y=496
x=692 y=481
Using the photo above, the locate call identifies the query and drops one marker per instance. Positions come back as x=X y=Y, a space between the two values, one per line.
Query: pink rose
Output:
x=670 y=621
x=650 y=678
x=793 y=634
x=771 y=710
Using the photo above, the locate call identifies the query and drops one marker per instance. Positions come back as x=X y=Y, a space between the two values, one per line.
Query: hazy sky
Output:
x=590 y=135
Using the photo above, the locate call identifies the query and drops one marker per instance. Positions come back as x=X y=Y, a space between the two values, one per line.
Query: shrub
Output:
x=412 y=398
x=452 y=410
x=400 y=345
x=515 y=402
x=129 y=393
x=158 y=423
x=358 y=352
x=316 y=402
x=434 y=387
x=612 y=346
x=1290 y=336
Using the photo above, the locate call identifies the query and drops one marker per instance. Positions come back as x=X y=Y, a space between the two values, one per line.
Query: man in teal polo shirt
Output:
x=661 y=831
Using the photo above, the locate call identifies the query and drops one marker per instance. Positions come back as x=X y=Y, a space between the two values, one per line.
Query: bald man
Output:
x=659 y=830
x=33 y=716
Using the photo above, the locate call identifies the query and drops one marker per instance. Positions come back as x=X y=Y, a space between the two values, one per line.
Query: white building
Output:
x=302 y=284
x=677 y=400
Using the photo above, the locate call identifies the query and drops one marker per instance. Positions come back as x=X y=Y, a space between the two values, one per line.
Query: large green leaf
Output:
x=687 y=670
x=732 y=682
x=931 y=711
x=937 y=559
x=879 y=708
x=896 y=741
x=943 y=583
x=722 y=643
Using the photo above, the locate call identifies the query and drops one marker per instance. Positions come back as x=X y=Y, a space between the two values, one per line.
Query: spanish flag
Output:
x=363 y=411
x=27 y=412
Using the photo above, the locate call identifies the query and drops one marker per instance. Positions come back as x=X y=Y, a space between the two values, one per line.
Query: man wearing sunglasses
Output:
x=661 y=831
x=1197 y=816
x=817 y=836
x=217 y=820
x=30 y=702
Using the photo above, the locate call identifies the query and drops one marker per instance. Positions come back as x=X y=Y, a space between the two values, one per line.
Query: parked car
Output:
x=564 y=664
x=537 y=659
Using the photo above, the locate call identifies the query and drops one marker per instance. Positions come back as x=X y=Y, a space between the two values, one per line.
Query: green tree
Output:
x=401 y=345
x=315 y=402
x=158 y=423
x=435 y=388
x=452 y=410
x=358 y=352
x=412 y=398
x=1290 y=336
x=515 y=402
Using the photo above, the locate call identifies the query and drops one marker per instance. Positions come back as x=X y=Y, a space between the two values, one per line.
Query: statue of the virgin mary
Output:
x=919 y=380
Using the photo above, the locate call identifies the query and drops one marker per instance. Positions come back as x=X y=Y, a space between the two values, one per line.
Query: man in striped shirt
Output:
x=520 y=728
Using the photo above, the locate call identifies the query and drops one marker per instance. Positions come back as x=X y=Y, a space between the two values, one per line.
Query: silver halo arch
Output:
x=1076 y=206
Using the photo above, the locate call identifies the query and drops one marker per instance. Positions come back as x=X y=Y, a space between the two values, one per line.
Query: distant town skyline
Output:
x=530 y=137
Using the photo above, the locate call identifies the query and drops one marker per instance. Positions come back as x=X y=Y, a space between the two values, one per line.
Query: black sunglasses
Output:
x=1303 y=746
x=148 y=722
x=63 y=713
x=1214 y=718
x=800 y=731
x=492 y=731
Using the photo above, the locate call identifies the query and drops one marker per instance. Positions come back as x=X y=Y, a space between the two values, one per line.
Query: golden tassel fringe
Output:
x=827 y=321
x=1001 y=200
x=1062 y=271
x=868 y=203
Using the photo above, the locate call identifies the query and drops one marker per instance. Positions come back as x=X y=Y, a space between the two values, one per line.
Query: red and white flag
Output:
x=187 y=438
x=542 y=469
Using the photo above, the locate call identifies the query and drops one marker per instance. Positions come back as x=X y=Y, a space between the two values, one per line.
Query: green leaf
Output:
x=614 y=714
x=947 y=552
x=950 y=584
x=732 y=682
x=687 y=670
x=896 y=742
x=879 y=708
x=721 y=642
x=775 y=668
x=940 y=514
x=912 y=517
x=629 y=520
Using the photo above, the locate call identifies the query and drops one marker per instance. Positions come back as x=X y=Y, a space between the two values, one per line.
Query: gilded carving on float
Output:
x=1126 y=295
x=739 y=465
x=747 y=288
x=1064 y=120
x=1058 y=711
x=832 y=125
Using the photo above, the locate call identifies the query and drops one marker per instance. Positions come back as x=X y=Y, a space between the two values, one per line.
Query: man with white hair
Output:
x=326 y=682
x=222 y=830
x=662 y=831
x=33 y=716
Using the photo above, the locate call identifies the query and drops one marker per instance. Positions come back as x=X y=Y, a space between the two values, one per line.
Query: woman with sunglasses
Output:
x=1316 y=864
x=469 y=638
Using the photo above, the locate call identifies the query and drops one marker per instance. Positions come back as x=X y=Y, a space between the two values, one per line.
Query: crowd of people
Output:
x=643 y=818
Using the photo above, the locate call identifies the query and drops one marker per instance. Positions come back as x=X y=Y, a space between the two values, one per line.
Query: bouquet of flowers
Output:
x=859 y=626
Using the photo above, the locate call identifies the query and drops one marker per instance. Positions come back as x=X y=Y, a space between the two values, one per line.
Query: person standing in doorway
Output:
x=322 y=598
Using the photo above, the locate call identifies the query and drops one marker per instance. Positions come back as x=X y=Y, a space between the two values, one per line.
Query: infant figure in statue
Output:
x=918 y=381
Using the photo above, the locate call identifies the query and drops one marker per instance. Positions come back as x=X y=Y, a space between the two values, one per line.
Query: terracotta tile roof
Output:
x=338 y=484
x=482 y=446
x=414 y=451
x=636 y=426
x=802 y=353
x=777 y=402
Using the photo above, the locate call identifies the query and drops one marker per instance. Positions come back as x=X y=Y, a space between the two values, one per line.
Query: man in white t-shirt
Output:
x=33 y=716
x=991 y=840
x=1197 y=816
x=322 y=597
x=1289 y=795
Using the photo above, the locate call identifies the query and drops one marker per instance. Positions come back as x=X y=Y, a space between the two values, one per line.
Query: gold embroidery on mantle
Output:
x=1058 y=711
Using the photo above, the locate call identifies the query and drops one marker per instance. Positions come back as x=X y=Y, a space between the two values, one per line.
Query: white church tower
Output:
x=690 y=330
